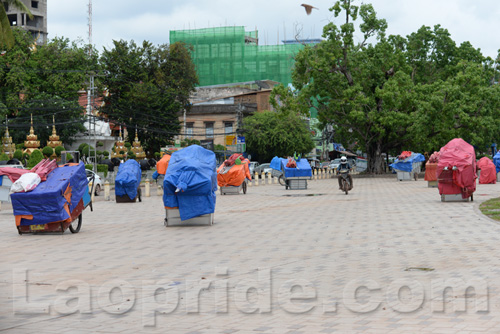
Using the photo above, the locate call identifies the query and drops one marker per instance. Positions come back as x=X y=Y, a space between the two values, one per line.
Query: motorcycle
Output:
x=345 y=184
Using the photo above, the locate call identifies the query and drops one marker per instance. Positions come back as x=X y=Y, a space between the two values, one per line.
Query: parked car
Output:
x=98 y=185
x=264 y=168
x=252 y=166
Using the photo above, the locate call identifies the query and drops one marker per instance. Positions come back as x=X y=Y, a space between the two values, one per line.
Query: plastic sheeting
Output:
x=457 y=169
x=128 y=179
x=430 y=171
x=488 y=171
x=496 y=161
x=303 y=169
x=275 y=164
x=65 y=186
x=233 y=175
x=406 y=165
x=162 y=165
x=191 y=171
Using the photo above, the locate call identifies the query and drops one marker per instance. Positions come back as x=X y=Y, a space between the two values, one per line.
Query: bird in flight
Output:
x=308 y=8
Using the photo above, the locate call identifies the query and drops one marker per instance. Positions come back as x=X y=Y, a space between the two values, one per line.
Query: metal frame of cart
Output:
x=292 y=183
x=234 y=190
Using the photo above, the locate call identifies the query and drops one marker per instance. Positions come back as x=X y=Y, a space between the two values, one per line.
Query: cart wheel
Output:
x=281 y=180
x=75 y=225
x=244 y=187
x=139 y=192
x=472 y=198
x=19 y=230
x=165 y=222
x=415 y=176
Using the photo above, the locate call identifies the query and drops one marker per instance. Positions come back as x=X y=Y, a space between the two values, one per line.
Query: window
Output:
x=34 y=4
x=209 y=130
x=189 y=130
x=228 y=128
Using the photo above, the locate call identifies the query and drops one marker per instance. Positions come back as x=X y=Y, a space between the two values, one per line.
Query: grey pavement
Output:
x=390 y=257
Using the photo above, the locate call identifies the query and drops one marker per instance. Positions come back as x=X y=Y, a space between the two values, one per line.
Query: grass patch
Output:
x=491 y=208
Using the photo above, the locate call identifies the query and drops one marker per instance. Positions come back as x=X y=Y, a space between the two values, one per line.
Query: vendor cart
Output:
x=128 y=182
x=408 y=168
x=456 y=171
x=189 y=187
x=295 y=178
x=232 y=175
x=56 y=204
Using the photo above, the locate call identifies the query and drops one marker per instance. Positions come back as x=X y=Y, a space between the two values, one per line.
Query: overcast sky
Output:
x=474 y=21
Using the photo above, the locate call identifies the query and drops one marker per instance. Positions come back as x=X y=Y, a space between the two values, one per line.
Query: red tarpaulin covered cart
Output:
x=456 y=171
x=488 y=171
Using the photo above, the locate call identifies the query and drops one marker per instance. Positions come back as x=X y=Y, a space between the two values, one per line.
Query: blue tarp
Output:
x=496 y=161
x=275 y=163
x=193 y=171
x=406 y=165
x=46 y=201
x=303 y=169
x=128 y=179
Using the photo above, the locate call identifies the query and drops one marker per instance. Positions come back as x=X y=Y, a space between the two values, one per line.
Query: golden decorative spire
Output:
x=31 y=143
x=7 y=146
x=136 y=139
x=54 y=138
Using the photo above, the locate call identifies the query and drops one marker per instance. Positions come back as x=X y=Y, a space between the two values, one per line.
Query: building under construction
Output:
x=231 y=54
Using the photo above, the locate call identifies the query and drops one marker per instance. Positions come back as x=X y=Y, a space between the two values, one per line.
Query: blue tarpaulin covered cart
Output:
x=408 y=168
x=189 y=187
x=128 y=182
x=293 y=178
x=55 y=204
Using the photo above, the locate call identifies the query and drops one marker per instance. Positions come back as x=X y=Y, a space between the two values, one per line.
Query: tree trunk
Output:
x=375 y=159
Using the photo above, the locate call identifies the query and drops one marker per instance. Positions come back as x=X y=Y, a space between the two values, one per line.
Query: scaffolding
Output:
x=231 y=54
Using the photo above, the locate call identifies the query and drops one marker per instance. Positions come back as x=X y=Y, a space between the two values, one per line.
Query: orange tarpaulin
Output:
x=162 y=165
x=234 y=175
x=488 y=171
x=430 y=172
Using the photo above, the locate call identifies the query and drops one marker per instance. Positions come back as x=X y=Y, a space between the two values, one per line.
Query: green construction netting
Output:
x=231 y=54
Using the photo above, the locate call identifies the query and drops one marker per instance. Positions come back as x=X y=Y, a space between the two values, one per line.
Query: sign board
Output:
x=241 y=140
x=230 y=140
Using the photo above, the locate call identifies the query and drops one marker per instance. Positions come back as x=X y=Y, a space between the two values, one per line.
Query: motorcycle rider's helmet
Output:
x=343 y=160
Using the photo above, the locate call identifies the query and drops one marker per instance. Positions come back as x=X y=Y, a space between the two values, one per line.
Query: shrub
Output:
x=68 y=157
x=35 y=158
x=20 y=146
x=122 y=152
x=4 y=157
x=58 y=150
x=157 y=155
x=47 y=151
x=89 y=166
x=99 y=144
x=81 y=147
x=105 y=153
x=103 y=169
x=18 y=154
x=131 y=155
x=128 y=145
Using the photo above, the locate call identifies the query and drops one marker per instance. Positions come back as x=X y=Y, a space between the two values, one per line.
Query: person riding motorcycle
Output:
x=344 y=165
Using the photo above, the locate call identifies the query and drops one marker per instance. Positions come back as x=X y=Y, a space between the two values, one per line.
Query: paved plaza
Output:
x=390 y=257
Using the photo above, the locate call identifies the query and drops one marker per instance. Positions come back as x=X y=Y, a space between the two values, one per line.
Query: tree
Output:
x=44 y=82
x=48 y=151
x=148 y=87
x=269 y=134
x=6 y=37
x=397 y=93
x=35 y=158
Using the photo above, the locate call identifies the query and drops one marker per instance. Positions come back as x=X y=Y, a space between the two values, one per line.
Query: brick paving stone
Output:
x=326 y=244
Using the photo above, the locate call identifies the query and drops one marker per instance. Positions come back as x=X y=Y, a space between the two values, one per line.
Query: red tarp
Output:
x=234 y=175
x=488 y=171
x=430 y=171
x=43 y=168
x=460 y=176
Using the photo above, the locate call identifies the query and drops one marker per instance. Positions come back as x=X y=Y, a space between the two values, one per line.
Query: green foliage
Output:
x=188 y=142
x=398 y=93
x=148 y=86
x=157 y=155
x=58 y=150
x=20 y=146
x=131 y=155
x=102 y=169
x=105 y=153
x=269 y=134
x=7 y=39
x=44 y=82
x=35 y=158
x=4 y=157
x=100 y=144
x=68 y=156
x=18 y=154
x=89 y=166
x=219 y=147
x=127 y=145
x=47 y=151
